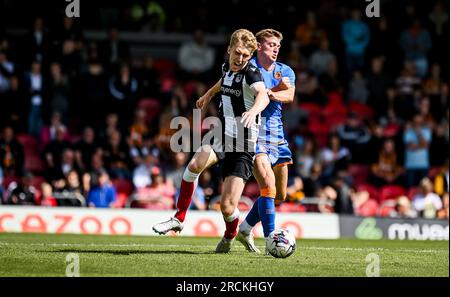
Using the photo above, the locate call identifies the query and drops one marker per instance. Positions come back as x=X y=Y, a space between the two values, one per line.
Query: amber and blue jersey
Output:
x=271 y=139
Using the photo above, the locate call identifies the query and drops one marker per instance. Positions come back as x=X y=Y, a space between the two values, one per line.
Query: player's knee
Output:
x=227 y=209
x=195 y=166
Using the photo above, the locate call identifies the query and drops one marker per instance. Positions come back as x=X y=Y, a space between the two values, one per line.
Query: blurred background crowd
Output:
x=85 y=121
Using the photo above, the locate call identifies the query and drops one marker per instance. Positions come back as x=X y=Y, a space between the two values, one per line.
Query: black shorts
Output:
x=238 y=164
x=235 y=163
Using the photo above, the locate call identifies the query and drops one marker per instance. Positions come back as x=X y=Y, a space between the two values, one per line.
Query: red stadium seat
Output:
x=9 y=179
x=291 y=207
x=362 y=109
x=368 y=209
x=391 y=192
x=151 y=106
x=413 y=191
x=311 y=108
x=335 y=98
x=320 y=131
x=165 y=67
x=335 y=110
x=121 y=200
x=27 y=141
x=37 y=181
x=386 y=208
x=372 y=190
x=359 y=173
x=434 y=171
x=123 y=186
x=34 y=164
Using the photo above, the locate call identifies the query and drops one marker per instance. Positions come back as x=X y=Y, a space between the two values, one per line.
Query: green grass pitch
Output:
x=45 y=255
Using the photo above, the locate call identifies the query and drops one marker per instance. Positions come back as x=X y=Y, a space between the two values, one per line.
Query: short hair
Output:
x=267 y=33
x=246 y=37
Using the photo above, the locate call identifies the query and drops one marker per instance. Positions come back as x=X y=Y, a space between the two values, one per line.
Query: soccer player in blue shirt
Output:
x=272 y=153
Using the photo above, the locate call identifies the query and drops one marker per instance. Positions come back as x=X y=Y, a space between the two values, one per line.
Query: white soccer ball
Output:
x=281 y=243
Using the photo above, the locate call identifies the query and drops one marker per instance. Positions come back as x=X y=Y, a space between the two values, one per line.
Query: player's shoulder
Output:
x=252 y=74
x=284 y=67
x=225 y=66
x=252 y=70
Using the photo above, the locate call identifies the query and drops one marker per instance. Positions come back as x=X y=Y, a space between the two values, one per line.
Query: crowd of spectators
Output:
x=86 y=123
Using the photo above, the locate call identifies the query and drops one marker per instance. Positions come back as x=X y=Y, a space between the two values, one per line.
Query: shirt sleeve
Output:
x=253 y=76
x=288 y=72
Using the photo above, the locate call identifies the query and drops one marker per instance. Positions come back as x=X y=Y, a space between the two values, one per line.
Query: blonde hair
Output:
x=267 y=33
x=246 y=37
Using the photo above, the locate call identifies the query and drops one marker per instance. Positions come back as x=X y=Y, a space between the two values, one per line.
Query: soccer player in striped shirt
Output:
x=273 y=154
x=242 y=94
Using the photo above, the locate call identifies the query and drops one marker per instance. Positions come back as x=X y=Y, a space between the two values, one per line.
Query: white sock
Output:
x=233 y=216
x=189 y=176
x=245 y=227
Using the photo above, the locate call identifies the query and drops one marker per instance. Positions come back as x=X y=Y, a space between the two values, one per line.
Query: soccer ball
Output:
x=280 y=243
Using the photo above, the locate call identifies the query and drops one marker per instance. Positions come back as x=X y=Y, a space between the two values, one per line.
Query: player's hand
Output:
x=284 y=84
x=202 y=102
x=248 y=118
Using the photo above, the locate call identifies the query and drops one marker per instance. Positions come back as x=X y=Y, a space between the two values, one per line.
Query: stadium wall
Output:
x=208 y=223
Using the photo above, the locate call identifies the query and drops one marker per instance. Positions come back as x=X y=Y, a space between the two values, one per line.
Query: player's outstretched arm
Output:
x=261 y=102
x=204 y=100
x=284 y=92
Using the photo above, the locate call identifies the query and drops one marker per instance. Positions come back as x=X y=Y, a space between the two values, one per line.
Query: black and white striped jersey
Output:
x=237 y=95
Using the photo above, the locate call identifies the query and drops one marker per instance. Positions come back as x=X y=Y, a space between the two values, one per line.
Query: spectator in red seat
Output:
x=36 y=85
x=407 y=85
x=334 y=157
x=102 y=193
x=47 y=195
x=85 y=149
x=22 y=192
x=54 y=150
x=426 y=202
x=12 y=111
x=48 y=132
x=320 y=60
x=417 y=138
x=115 y=153
x=355 y=136
x=308 y=35
x=11 y=153
x=150 y=79
x=176 y=171
x=403 y=209
x=66 y=164
x=59 y=88
x=196 y=58
x=416 y=42
x=441 y=181
x=158 y=192
x=378 y=82
x=143 y=172
x=306 y=155
x=358 y=91
x=387 y=171
x=330 y=80
x=123 y=89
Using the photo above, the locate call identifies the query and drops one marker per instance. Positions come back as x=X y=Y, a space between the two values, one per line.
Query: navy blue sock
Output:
x=253 y=216
x=266 y=208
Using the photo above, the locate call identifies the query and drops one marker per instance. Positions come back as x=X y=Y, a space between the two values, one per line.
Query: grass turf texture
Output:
x=45 y=255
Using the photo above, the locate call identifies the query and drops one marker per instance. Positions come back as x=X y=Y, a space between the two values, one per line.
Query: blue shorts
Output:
x=279 y=154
